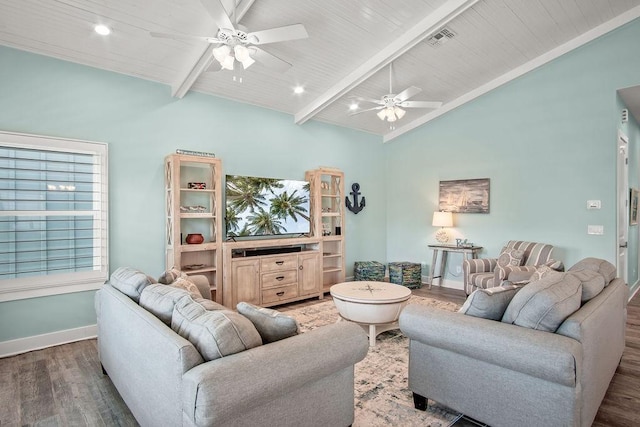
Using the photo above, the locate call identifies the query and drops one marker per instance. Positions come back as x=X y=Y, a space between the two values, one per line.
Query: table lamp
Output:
x=442 y=219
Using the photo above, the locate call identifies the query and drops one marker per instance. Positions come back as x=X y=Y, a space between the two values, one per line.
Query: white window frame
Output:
x=56 y=284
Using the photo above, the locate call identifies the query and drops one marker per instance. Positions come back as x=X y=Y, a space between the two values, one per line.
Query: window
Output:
x=53 y=216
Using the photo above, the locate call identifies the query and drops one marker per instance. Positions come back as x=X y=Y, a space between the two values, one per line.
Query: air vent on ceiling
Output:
x=441 y=37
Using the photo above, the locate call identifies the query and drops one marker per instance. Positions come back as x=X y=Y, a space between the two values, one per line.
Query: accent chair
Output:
x=517 y=262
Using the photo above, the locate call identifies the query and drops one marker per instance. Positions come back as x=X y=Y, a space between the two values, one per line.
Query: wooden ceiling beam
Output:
x=425 y=28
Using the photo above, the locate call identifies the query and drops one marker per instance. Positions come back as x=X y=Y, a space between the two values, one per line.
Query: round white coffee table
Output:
x=376 y=306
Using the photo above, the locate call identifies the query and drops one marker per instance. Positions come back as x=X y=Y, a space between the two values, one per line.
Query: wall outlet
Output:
x=594 y=204
x=458 y=269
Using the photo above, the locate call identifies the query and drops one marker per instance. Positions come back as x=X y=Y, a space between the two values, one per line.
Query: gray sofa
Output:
x=303 y=380
x=507 y=375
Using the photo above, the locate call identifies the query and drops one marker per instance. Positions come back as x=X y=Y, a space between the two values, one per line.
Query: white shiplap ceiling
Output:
x=347 y=53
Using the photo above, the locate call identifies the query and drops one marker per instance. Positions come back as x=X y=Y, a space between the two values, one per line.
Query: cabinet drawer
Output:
x=279 y=294
x=277 y=263
x=279 y=278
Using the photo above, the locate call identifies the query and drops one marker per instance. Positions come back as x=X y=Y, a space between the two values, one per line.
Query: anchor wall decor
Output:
x=355 y=207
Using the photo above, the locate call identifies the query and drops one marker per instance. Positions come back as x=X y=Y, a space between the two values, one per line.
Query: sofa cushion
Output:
x=592 y=283
x=214 y=333
x=209 y=305
x=160 y=301
x=544 y=304
x=510 y=257
x=489 y=303
x=271 y=324
x=605 y=268
x=129 y=281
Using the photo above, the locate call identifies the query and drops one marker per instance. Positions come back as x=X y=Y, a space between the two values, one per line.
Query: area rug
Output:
x=382 y=396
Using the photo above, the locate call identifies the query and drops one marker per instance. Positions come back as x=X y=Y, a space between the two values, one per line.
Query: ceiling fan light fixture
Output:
x=399 y=112
x=247 y=62
x=221 y=53
x=241 y=52
x=242 y=55
x=382 y=114
x=227 y=63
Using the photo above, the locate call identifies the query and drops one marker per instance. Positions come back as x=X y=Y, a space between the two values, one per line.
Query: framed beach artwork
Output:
x=633 y=206
x=464 y=196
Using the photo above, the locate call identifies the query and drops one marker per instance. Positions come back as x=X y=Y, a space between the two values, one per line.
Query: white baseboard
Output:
x=634 y=290
x=446 y=283
x=37 y=342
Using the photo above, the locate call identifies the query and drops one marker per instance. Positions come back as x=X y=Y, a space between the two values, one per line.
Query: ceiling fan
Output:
x=390 y=104
x=237 y=44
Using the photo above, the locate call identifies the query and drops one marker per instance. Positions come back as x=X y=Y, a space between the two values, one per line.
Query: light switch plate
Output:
x=595 y=229
x=594 y=204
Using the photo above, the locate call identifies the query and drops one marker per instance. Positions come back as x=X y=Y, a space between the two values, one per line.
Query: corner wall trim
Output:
x=38 y=342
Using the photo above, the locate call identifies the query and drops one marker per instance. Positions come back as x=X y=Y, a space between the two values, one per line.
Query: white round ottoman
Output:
x=374 y=305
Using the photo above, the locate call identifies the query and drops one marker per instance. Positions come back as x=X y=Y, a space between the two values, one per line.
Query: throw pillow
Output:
x=271 y=324
x=510 y=257
x=541 y=272
x=129 y=281
x=544 y=304
x=605 y=268
x=188 y=285
x=170 y=276
x=592 y=283
x=489 y=303
x=215 y=334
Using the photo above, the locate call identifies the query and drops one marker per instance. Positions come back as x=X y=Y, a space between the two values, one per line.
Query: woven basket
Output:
x=369 y=270
x=406 y=274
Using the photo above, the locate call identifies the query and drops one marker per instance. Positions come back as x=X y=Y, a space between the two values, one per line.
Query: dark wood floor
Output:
x=64 y=385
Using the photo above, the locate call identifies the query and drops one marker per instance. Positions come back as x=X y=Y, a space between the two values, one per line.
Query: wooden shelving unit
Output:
x=327 y=214
x=204 y=258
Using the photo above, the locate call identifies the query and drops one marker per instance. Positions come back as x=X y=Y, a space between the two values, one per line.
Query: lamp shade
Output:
x=442 y=219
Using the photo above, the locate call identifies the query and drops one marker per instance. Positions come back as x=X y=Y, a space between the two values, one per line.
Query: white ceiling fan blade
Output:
x=184 y=37
x=218 y=13
x=420 y=104
x=273 y=35
x=364 y=111
x=269 y=60
x=407 y=93
x=360 y=98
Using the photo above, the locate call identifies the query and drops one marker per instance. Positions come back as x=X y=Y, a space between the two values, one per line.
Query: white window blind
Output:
x=53 y=216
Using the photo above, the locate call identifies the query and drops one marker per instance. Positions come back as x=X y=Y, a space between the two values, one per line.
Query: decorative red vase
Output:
x=194 y=239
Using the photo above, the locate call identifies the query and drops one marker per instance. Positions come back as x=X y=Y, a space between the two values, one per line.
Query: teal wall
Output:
x=547 y=142
x=142 y=123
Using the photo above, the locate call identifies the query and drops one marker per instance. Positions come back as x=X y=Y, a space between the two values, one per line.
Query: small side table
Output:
x=445 y=249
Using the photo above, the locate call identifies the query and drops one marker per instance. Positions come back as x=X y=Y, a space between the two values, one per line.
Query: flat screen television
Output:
x=266 y=207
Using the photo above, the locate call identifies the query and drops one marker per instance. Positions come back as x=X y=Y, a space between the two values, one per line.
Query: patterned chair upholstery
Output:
x=482 y=272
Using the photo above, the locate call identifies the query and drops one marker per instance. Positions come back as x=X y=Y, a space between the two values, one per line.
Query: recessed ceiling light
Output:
x=298 y=90
x=353 y=107
x=103 y=30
